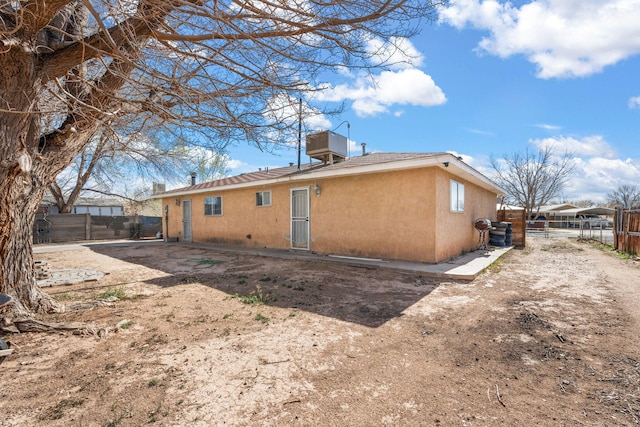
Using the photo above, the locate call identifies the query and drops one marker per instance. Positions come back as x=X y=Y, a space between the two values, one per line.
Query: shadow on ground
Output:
x=368 y=296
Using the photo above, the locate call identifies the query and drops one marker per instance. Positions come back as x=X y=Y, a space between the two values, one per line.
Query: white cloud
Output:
x=594 y=177
x=546 y=126
x=481 y=132
x=375 y=95
x=590 y=146
x=634 y=102
x=238 y=166
x=399 y=53
x=564 y=38
x=598 y=170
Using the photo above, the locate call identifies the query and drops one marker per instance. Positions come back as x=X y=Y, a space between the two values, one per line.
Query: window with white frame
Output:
x=263 y=198
x=457 y=196
x=213 y=206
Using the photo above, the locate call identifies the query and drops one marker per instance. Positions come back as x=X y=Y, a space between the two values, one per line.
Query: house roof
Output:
x=370 y=163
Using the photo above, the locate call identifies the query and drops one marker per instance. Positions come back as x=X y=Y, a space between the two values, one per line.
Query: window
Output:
x=263 y=198
x=213 y=206
x=457 y=196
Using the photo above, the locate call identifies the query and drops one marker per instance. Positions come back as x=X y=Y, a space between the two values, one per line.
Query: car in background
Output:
x=588 y=221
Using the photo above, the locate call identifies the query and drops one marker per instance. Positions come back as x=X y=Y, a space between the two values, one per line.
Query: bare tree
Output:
x=626 y=195
x=532 y=179
x=113 y=158
x=582 y=203
x=217 y=69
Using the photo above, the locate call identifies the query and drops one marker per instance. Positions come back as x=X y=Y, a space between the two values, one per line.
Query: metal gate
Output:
x=186 y=220
x=300 y=218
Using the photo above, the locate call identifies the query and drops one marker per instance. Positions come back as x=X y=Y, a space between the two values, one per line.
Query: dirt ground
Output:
x=548 y=337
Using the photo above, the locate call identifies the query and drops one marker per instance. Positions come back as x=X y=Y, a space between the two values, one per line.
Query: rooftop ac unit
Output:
x=158 y=188
x=327 y=146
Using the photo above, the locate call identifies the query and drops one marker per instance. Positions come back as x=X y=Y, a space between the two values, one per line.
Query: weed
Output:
x=62 y=297
x=127 y=413
x=153 y=383
x=292 y=314
x=113 y=292
x=189 y=278
x=265 y=279
x=228 y=315
x=298 y=288
x=626 y=255
x=255 y=297
x=126 y=325
x=157 y=339
x=57 y=412
x=261 y=318
x=495 y=267
x=241 y=282
x=153 y=415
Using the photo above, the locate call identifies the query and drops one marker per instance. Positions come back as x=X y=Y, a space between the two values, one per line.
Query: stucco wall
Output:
x=398 y=214
x=384 y=215
x=455 y=232
x=241 y=223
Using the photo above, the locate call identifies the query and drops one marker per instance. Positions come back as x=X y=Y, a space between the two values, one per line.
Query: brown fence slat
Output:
x=627 y=230
x=77 y=227
x=518 y=220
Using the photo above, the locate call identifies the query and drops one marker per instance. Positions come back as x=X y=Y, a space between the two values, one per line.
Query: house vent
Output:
x=158 y=188
x=327 y=146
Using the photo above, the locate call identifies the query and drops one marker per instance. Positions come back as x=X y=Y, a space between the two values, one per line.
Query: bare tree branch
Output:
x=532 y=179
x=626 y=195
x=205 y=71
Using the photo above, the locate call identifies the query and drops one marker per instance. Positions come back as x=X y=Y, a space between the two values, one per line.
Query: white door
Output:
x=186 y=220
x=300 y=218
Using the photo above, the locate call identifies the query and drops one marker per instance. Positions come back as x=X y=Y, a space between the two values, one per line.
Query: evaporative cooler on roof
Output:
x=327 y=146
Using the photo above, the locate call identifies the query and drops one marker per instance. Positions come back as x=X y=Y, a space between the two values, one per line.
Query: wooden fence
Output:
x=626 y=236
x=78 y=227
x=518 y=220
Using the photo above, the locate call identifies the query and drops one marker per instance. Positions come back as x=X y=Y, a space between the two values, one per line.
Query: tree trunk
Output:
x=22 y=181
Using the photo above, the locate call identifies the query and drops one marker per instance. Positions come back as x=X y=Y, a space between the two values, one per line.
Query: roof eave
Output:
x=445 y=161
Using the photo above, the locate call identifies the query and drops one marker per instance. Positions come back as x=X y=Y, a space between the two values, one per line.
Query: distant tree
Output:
x=113 y=160
x=626 y=196
x=208 y=165
x=532 y=179
x=218 y=69
x=583 y=203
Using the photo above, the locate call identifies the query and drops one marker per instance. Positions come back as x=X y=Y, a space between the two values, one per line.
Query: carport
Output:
x=566 y=218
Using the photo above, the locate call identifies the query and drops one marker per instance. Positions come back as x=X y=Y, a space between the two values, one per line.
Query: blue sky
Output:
x=491 y=78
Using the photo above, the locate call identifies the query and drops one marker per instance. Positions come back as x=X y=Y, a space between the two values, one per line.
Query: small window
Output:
x=213 y=206
x=263 y=198
x=457 y=196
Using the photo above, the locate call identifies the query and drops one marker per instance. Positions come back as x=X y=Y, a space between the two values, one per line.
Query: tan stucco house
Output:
x=407 y=206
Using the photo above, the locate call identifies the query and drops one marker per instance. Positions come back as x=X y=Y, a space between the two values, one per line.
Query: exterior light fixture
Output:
x=316 y=188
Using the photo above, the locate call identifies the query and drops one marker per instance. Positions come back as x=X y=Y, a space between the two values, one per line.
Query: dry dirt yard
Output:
x=548 y=337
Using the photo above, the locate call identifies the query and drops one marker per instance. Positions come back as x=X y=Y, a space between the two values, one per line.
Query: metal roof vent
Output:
x=327 y=146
